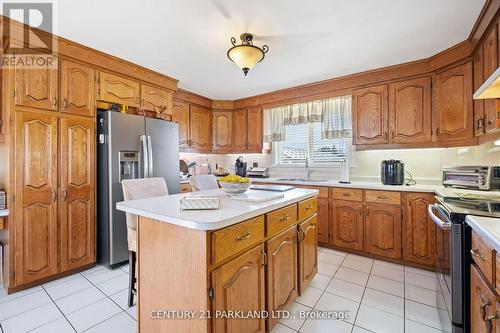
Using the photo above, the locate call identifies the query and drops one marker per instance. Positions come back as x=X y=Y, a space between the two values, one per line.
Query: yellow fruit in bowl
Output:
x=234 y=179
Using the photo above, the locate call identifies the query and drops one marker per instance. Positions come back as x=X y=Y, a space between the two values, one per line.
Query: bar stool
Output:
x=138 y=189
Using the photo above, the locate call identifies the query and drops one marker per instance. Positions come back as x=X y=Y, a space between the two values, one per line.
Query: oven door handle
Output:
x=439 y=222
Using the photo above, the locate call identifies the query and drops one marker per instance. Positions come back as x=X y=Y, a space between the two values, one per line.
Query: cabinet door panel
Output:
x=490 y=64
x=420 y=235
x=454 y=114
x=77 y=203
x=222 y=125
x=200 y=128
x=347 y=224
x=308 y=252
x=156 y=100
x=255 y=131
x=323 y=221
x=482 y=304
x=180 y=115
x=478 y=79
x=36 y=193
x=77 y=89
x=410 y=109
x=383 y=230
x=240 y=286
x=239 y=131
x=36 y=88
x=370 y=115
x=282 y=286
x=117 y=89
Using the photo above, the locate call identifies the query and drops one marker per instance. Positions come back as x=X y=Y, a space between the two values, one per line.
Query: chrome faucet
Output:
x=307 y=171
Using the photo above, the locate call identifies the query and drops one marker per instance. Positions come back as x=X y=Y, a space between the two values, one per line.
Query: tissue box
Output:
x=198 y=202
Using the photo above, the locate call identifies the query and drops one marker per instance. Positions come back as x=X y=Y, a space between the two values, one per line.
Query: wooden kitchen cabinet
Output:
x=35 y=227
x=77 y=197
x=453 y=105
x=36 y=88
x=482 y=304
x=323 y=221
x=255 y=130
x=370 y=115
x=410 y=111
x=240 y=285
x=383 y=230
x=308 y=254
x=156 y=100
x=478 y=104
x=281 y=277
x=116 y=89
x=347 y=224
x=490 y=64
x=239 y=142
x=180 y=115
x=419 y=231
x=200 y=124
x=222 y=128
x=77 y=89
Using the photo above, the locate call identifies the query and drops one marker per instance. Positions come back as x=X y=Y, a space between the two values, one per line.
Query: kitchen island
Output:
x=202 y=271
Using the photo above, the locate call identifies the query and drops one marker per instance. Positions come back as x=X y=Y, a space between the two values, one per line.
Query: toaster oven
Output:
x=472 y=177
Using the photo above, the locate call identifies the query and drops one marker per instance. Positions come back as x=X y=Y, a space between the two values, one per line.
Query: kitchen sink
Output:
x=301 y=180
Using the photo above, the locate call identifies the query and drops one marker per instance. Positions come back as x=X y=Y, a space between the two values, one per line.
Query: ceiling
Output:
x=308 y=40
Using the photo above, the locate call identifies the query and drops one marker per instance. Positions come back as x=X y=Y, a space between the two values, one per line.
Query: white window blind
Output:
x=305 y=140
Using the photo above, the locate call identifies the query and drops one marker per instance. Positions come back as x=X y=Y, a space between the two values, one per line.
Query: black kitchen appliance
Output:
x=240 y=167
x=392 y=172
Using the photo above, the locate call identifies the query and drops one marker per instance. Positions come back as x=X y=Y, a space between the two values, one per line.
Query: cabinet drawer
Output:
x=383 y=197
x=323 y=191
x=346 y=194
x=281 y=219
x=231 y=240
x=482 y=254
x=184 y=188
x=307 y=208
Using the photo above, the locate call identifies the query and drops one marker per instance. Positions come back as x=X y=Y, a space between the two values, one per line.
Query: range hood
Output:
x=490 y=88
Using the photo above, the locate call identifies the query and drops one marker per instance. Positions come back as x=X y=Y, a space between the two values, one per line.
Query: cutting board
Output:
x=257 y=196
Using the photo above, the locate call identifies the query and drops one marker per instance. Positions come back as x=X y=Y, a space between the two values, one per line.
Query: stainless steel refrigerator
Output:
x=129 y=146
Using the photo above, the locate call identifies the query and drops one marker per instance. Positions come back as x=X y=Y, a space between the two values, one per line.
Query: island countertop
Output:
x=167 y=208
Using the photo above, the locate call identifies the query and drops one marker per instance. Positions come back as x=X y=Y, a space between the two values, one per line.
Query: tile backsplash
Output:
x=424 y=164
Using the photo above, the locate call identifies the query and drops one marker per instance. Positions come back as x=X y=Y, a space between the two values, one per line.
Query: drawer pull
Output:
x=346 y=194
x=243 y=237
x=483 y=305
x=380 y=197
x=309 y=207
x=284 y=218
x=475 y=253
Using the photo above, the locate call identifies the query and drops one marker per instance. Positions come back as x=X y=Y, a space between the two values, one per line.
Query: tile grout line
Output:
x=363 y=296
x=62 y=313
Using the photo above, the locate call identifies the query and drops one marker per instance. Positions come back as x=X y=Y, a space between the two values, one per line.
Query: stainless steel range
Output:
x=453 y=244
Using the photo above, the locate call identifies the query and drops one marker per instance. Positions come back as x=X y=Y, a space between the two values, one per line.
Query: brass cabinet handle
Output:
x=54 y=196
x=386 y=134
x=54 y=102
x=382 y=197
x=346 y=194
x=284 y=218
x=488 y=321
x=243 y=237
x=309 y=207
x=65 y=194
x=476 y=253
x=65 y=103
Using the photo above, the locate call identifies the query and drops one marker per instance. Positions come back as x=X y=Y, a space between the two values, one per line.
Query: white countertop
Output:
x=488 y=228
x=167 y=209
x=362 y=185
x=4 y=212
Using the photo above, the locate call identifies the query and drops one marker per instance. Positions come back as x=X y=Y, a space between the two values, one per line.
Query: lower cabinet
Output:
x=483 y=305
x=240 y=286
x=347 y=224
x=281 y=278
x=383 y=230
x=323 y=221
x=308 y=253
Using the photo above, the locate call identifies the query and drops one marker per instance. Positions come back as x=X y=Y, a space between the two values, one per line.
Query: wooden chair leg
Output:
x=131 y=277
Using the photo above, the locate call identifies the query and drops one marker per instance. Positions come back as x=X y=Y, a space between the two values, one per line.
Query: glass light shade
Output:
x=245 y=56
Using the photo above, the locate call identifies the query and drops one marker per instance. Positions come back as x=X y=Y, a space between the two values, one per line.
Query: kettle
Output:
x=240 y=167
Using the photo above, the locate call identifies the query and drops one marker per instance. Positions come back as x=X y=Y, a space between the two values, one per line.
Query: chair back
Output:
x=203 y=182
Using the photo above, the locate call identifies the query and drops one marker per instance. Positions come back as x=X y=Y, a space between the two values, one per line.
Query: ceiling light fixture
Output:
x=246 y=55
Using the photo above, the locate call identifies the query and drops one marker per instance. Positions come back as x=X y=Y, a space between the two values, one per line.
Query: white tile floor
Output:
x=381 y=297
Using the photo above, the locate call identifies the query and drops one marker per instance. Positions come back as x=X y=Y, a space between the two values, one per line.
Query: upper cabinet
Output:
x=254 y=134
x=200 y=125
x=77 y=89
x=36 y=88
x=156 y=100
x=116 y=89
x=370 y=115
x=410 y=111
x=221 y=138
x=239 y=131
x=180 y=115
x=453 y=105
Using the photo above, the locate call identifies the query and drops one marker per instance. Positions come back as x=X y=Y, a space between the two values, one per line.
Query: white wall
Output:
x=424 y=164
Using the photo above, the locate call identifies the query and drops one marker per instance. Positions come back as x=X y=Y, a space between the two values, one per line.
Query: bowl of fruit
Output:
x=234 y=185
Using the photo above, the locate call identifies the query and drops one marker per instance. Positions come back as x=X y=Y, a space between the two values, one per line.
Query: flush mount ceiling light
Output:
x=246 y=55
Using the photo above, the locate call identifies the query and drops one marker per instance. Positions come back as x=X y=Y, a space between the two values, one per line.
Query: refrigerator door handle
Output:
x=145 y=155
x=150 y=151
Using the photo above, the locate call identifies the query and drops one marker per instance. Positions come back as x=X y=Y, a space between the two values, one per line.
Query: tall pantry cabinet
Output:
x=54 y=140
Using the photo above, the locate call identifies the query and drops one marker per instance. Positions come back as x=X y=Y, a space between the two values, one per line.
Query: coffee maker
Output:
x=240 y=167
